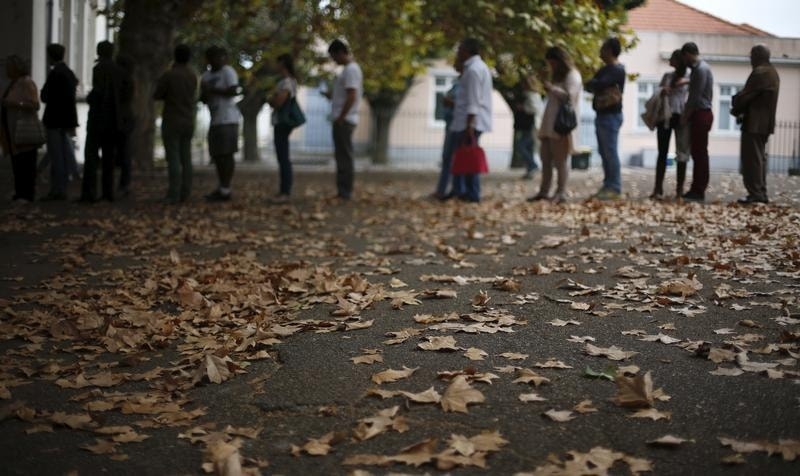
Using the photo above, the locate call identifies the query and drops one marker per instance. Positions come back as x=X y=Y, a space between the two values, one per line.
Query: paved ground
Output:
x=142 y=338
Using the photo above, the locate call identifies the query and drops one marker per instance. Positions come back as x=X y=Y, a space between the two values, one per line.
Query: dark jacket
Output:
x=58 y=94
x=607 y=77
x=758 y=100
x=106 y=100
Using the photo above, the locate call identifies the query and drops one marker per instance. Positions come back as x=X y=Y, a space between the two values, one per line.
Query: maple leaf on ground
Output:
x=428 y=396
x=651 y=413
x=473 y=353
x=385 y=420
x=531 y=397
x=559 y=415
x=415 y=455
x=680 y=287
x=612 y=353
x=392 y=375
x=634 y=392
x=669 y=441
x=513 y=356
x=598 y=461
x=629 y=272
x=585 y=406
x=101 y=447
x=727 y=371
x=367 y=359
x=480 y=299
x=529 y=376
x=224 y=457
x=319 y=446
x=789 y=449
x=216 y=368
x=510 y=285
x=446 y=343
x=460 y=394
x=562 y=323
x=552 y=363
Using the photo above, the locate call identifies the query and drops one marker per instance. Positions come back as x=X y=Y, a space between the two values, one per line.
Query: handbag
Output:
x=469 y=158
x=566 y=121
x=607 y=98
x=28 y=130
x=290 y=114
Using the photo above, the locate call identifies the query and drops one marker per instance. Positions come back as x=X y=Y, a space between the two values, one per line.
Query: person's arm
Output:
x=348 y=104
x=471 y=87
x=230 y=87
x=280 y=96
x=755 y=84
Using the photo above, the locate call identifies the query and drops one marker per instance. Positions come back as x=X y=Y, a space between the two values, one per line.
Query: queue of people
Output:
x=681 y=106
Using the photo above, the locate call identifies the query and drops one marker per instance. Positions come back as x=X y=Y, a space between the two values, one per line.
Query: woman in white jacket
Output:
x=674 y=89
x=555 y=148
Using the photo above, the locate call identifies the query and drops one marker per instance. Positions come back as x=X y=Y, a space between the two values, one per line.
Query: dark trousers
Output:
x=469 y=184
x=61 y=155
x=123 y=160
x=105 y=143
x=699 y=127
x=178 y=149
x=225 y=165
x=281 y=138
x=663 y=134
x=343 y=153
x=23 y=165
x=754 y=164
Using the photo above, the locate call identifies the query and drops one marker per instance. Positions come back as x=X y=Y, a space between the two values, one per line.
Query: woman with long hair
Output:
x=18 y=116
x=675 y=91
x=564 y=85
x=285 y=91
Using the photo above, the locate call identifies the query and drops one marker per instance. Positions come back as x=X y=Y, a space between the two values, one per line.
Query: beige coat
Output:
x=23 y=98
x=559 y=92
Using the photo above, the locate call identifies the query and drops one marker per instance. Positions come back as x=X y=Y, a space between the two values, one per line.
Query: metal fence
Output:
x=784 y=148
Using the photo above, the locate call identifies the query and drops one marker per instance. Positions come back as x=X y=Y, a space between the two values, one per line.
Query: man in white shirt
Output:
x=218 y=87
x=345 y=99
x=472 y=114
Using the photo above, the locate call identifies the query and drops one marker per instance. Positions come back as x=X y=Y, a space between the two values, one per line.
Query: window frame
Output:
x=733 y=127
x=449 y=75
x=654 y=83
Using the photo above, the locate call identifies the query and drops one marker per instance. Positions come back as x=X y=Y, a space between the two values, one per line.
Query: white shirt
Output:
x=474 y=96
x=222 y=108
x=350 y=78
x=288 y=84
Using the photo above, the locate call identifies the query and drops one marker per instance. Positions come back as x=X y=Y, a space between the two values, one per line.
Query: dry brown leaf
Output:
x=460 y=394
x=559 y=415
x=473 y=353
x=385 y=420
x=651 y=413
x=224 y=457
x=392 y=375
x=669 y=440
x=217 y=368
x=513 y=356
x=531 y=397
x=584 y=406
x=529 y=376
x=367 y=359
x=428 y=396
x=101 y=447
x=612 y=353
x=634 y=392
x=480 y=299
x=447 y=343
x=727 y=371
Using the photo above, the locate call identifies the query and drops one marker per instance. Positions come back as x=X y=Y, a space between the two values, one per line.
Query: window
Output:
x=727 y=122
x=644 y=91
x=441 y=84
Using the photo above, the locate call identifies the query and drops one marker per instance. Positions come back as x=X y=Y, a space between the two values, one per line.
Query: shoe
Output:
x=280 y=199
x=558 y=199
x=657 y=196
x=749 y=200
x=217 y=196
x=537 y=198
x=52 y=197
x=606 y=194
x=693 y=197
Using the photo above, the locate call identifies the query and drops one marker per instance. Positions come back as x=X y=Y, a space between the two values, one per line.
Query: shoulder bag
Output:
x=28 y=130
x=566 y=121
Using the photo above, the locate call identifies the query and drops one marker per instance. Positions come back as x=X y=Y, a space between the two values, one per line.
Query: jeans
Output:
x=447 y=162
x=699 y=127
x=523 y=145
x=178 y=149
x=607 y=127
x=281 y=139
x=98 y=140
x=60 y=155
x=343 y=153
x=467 y=186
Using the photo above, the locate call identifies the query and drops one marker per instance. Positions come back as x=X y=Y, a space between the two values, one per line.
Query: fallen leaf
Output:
x=651 y=413
x=584 y=406
x=391 y=375
x=460 y=394
x=634 y=391
x=559 y=415
x=447 y=343
x=473 y=353
x=669 y=441
x=612 y=353
x=531 y=397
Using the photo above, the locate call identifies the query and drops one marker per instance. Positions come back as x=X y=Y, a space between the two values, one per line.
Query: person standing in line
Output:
x=607 y=85
x=104 y=124
x=527 y=107
x=60 y=119
x=756 y=105
x=472 y=115
x=674 y=90
x=697 y=114
x=124 y=159
x=345 y=100
x=178 y=89
x=285 y=91
x=218 y=87
x=19 y=106
x=564 y=85
x=445 y=177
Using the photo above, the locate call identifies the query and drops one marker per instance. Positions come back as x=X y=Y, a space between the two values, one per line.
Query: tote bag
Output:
x=290 y=114
x=469 y=158
x=566 y=121
x=28 y=130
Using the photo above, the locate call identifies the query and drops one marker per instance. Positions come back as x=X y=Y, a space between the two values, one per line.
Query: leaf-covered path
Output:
x=397 y=334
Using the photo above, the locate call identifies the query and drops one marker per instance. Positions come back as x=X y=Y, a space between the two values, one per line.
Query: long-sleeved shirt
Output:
x=178 y=89
x=58 y=93
x=474 y=97
x=701 y=87
x=606 y=77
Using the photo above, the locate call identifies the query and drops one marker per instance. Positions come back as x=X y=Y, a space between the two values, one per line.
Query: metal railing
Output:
x=784 y=148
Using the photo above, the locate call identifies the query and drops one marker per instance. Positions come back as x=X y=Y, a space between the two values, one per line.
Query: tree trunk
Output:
x=383 y=106
x=250 y=107
x=146 y=37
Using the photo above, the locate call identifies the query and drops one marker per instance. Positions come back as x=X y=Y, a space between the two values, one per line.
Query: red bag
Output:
x=469 y=158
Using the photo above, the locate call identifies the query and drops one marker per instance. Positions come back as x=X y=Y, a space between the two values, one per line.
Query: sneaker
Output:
x=749 y=200
x=217 y=196
x=607 y=194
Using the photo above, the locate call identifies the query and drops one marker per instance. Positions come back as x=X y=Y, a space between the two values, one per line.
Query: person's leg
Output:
x=700 y=124
x=663 y=133
x=121 y=149
x=615 y=166
x=681 y=178
x=29 y=174
x=601 y=132
x=560 y=152
x=185 y=154
x=753 y=164
x=546 y=154
x=57 y=143
x=526 y=149
x=171 y=141
x=91 y=159
x=447 y=160
x=281 y=139
x=226 y=168
x=17 y=170
x=343 y=146
x=73 y=172
x=109 y=158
